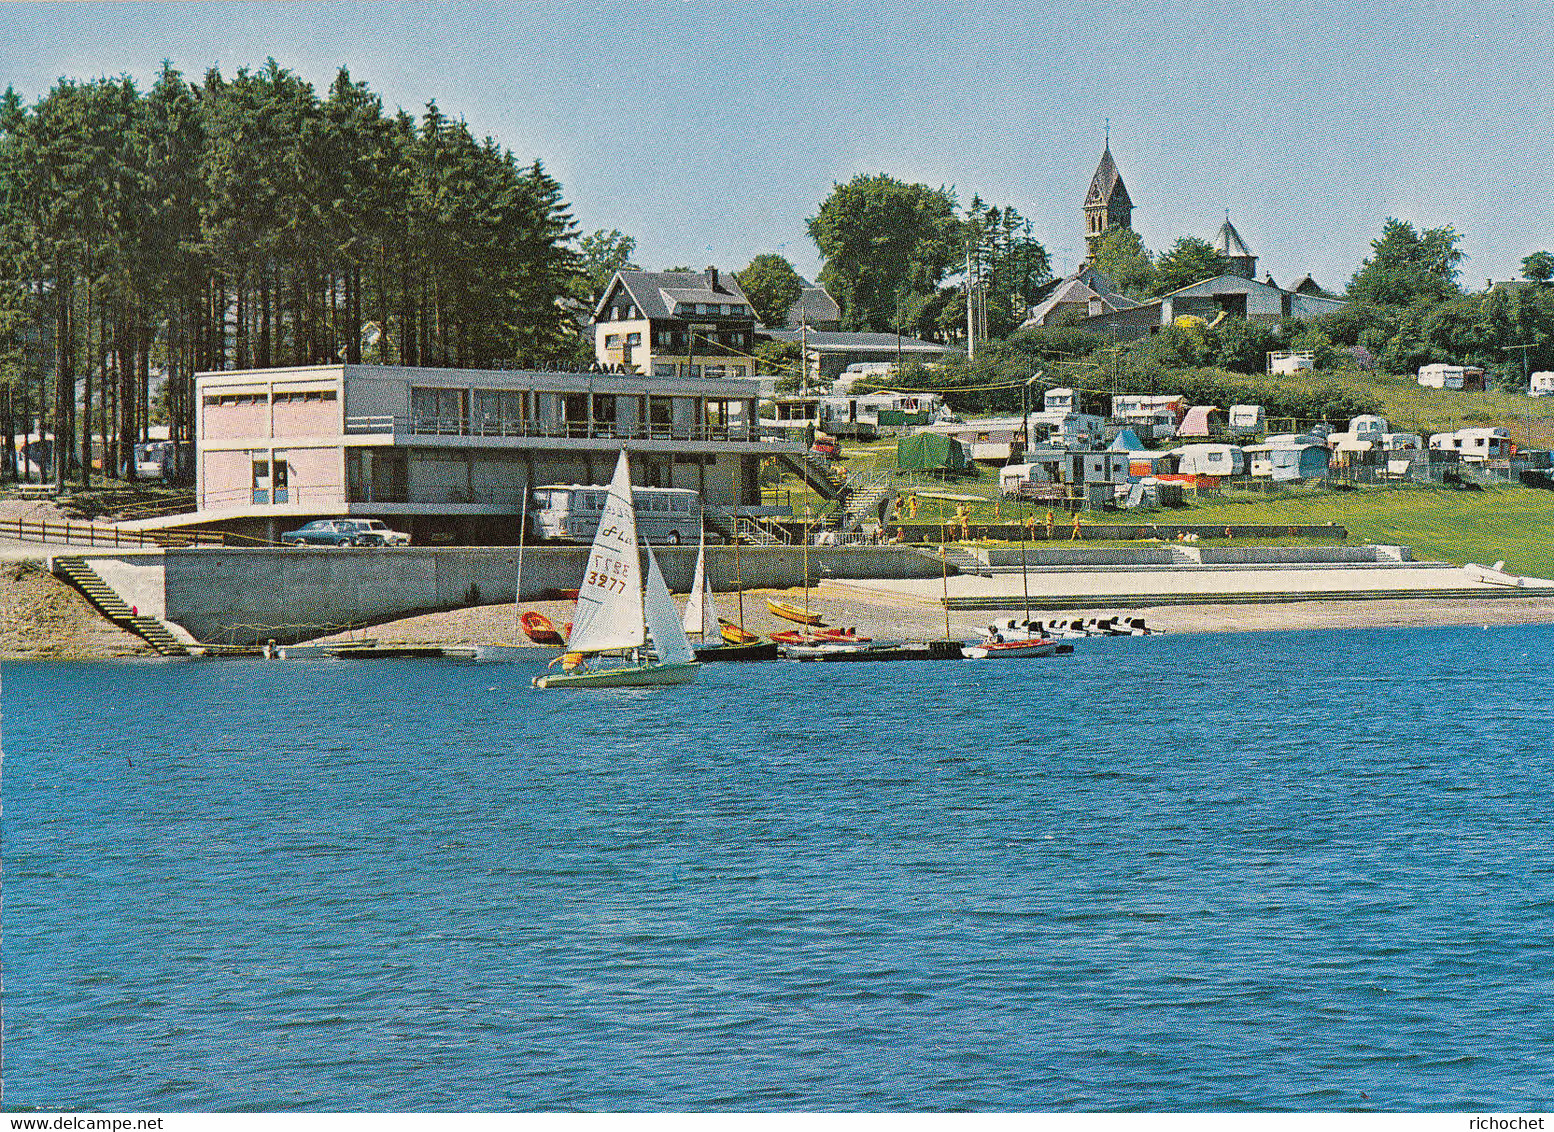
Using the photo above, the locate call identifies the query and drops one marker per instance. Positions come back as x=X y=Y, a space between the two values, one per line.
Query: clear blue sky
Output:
x=710 y=131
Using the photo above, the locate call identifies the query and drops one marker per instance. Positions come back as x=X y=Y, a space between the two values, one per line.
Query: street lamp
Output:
x=1025 y=413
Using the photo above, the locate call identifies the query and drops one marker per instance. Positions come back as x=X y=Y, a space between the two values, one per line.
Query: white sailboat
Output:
x=619 y=612
x=701 y=619
x=701 y=613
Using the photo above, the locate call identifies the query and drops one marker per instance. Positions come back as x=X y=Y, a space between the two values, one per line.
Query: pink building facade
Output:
x=450 y=455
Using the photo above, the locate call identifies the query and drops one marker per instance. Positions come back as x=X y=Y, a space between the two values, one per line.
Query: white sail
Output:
x=662 y=624
x=609 y=602
x=701 y=614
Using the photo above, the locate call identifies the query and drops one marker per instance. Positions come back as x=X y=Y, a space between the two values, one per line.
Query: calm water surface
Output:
x=1302 y=871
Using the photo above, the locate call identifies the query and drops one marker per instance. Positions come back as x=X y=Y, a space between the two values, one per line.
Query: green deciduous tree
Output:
x=1122 y=257
x=772 y=286
x=602 y=255
x=1189 y=260
x=1539 y=267
x=881 y=238
x=1409 y=266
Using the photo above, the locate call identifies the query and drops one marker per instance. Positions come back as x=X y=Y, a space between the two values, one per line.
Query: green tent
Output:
x=930 y=452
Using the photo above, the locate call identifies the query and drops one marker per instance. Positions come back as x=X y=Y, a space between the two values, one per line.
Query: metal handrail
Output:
x=530 y=429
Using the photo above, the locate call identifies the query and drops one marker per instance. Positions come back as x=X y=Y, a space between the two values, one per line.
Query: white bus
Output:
x=569 y=512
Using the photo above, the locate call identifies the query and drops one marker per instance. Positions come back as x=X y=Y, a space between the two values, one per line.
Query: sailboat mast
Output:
x=944 y=558
x=523 y=518
x=739 y=583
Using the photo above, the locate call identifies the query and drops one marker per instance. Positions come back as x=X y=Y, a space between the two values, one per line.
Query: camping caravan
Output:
x=1068 y=430
x=1475 y=445
x=1542 y=384
x=1442 y=376
x=1247 y=420
x=1282 y=463
x=1152 y=416
x=931 y=452
x=1210 y=460
x=1368 y=427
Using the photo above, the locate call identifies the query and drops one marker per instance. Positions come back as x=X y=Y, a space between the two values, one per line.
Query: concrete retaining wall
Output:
x=247 y=595
x=1076 y=556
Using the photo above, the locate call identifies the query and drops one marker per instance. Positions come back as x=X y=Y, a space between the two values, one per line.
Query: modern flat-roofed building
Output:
x=450 y=455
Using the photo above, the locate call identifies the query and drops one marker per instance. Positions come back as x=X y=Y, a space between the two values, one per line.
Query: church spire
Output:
x=1107 y=204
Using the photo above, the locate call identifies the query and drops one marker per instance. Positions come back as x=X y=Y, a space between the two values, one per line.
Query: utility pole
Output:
x=971 y=326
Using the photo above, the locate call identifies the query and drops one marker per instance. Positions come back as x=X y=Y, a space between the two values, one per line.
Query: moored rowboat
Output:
x=1011 y=649
x=792 y=612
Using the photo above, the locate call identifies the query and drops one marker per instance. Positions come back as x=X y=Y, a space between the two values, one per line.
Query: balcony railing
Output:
x=562 y=430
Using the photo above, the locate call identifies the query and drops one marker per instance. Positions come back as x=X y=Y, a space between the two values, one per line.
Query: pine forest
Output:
x=245 y=222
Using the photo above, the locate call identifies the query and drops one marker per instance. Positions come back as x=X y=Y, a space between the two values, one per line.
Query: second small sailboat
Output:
x=701 y=618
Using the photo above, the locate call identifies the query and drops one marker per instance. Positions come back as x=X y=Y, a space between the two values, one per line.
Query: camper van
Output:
x=570 y=512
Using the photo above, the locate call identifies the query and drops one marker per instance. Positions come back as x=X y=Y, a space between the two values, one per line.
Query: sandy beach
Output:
x=890 y=610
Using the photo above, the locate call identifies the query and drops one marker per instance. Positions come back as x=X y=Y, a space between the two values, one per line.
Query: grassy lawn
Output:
x=1512 y=522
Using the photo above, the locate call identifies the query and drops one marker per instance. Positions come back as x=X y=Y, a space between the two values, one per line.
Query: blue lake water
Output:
x=1256 y=871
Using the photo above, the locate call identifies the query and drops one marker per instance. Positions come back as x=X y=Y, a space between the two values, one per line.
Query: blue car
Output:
x=332 y=532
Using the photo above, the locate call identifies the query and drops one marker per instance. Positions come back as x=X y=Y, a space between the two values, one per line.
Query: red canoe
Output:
x=812 y=636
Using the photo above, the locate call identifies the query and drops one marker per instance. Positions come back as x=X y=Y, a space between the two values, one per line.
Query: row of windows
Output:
x=675 y=339
x=318 y=395
x=672 y=369
x=681 y=310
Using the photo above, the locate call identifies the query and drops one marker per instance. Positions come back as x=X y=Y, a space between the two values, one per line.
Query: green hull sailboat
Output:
x=620 y=612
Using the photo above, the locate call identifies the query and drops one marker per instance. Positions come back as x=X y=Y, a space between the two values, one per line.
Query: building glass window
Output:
x=261 y=477
x=437 y=410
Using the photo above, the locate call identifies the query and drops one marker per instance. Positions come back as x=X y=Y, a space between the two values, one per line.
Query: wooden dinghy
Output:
x=737 y=634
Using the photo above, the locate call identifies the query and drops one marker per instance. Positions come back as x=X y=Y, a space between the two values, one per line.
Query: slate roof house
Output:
x=814 y=308
x=1084 y=294
x=685 y=324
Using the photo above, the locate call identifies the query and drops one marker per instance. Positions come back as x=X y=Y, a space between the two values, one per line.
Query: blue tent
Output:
x=1127 y=441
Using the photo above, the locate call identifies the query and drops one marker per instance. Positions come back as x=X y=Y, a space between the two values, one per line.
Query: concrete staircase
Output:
x=817 y=472
x=960 y=561
x=74 y=570
x=864 y=500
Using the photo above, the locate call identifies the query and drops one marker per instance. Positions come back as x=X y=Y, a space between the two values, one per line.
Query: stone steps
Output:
x=74 y=570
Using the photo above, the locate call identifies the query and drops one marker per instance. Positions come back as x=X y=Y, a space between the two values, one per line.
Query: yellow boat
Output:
x=737 y=634
x=793 y=613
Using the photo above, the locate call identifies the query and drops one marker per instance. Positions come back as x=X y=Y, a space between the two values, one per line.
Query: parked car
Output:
x=345 y=532
x=375 y=532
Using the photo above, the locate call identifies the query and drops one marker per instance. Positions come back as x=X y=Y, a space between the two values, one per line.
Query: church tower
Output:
x=1228 y=242
x=1107 y=204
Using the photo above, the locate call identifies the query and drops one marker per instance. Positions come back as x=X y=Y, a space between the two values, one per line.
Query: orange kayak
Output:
x=541 y=629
